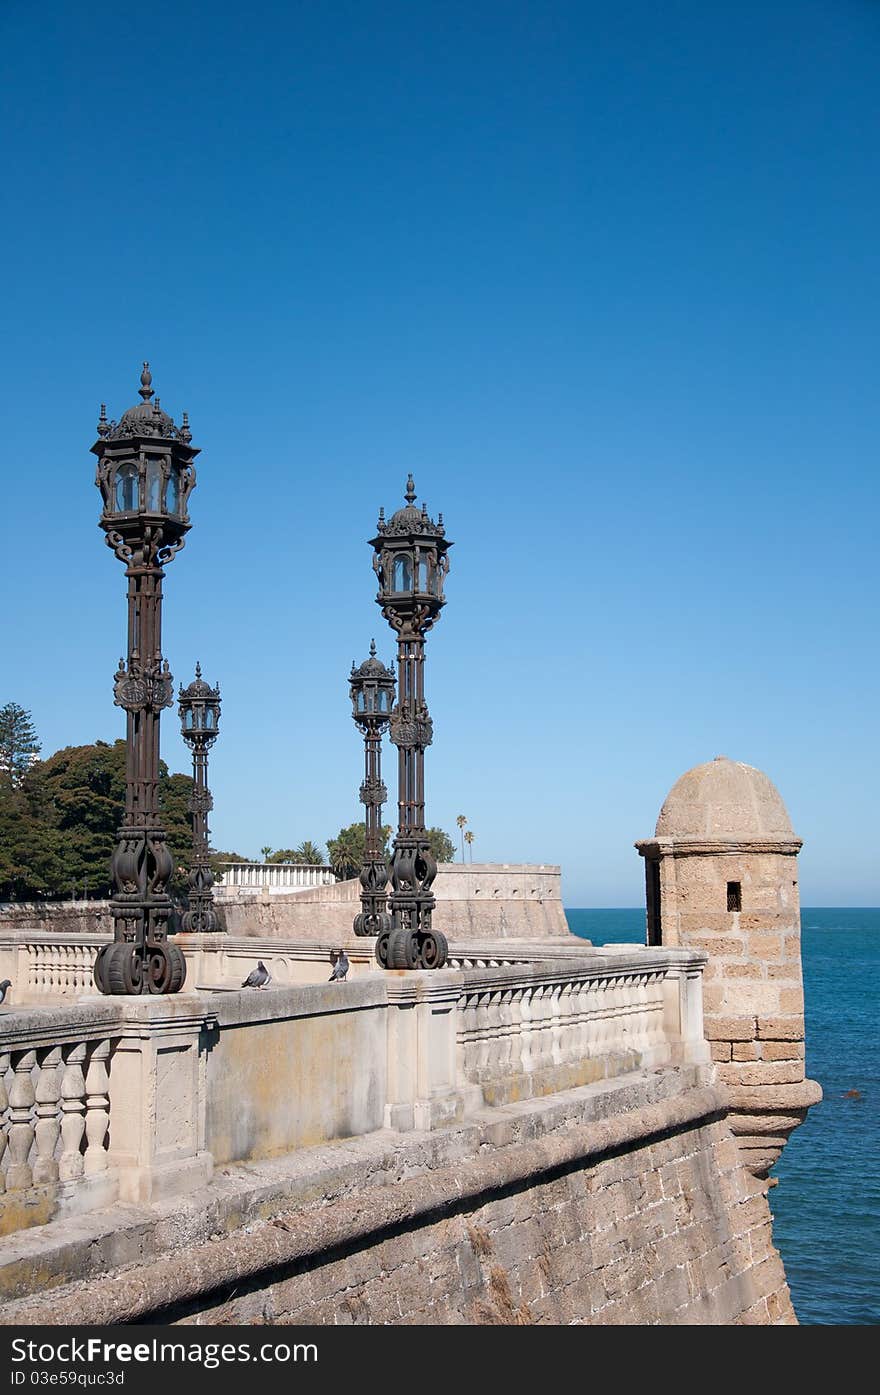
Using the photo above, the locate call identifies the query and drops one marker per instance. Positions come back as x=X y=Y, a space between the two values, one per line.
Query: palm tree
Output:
x=346 y=853
x=469 y=839
x=461 y=821
x=266 y=851
x=309 y=852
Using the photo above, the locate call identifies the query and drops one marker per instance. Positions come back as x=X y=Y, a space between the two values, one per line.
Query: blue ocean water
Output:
x=826 y=1208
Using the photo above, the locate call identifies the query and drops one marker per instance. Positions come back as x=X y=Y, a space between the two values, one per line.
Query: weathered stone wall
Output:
x=617 y=1203
x=57 y=917
x=283 y=1074
x=475 y=901
x=478 y=901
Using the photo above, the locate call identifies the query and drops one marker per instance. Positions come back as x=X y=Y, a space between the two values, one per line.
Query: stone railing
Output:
x=59 y=1113
x=99 y=1102
x=138 y=1098
x=42 y=964
x=275 y=876
x=542 y=1027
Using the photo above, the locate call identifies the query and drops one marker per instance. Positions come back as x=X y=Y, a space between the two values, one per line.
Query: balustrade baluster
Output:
x=21 y=1124
x=523 y=999
x=48 y=1124
x=4 y=1105
x=97 y=1108
x=73 y=1111
x=493 y=1032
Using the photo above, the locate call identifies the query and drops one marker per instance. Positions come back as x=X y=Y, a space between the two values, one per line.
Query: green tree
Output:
x=31 y=864
x=469 y=839
x=307 y=852
x=61 y=830
x=441 y=844
x=218 y=861
x=346 y=853
x=265 y=852
x=18 y=743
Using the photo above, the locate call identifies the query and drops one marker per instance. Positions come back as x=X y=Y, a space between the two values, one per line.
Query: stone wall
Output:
x=138 y=1098
x=479 y=901
x=475 y=901
x=618 y=1203
x=57 y=917
x=287 y=1068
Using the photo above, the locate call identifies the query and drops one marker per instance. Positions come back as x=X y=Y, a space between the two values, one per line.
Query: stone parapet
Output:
x=475 y=901
x=621 y=1202
x=154 y=1092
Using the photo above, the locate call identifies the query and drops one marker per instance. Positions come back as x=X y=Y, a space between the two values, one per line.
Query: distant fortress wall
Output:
x=475 y=901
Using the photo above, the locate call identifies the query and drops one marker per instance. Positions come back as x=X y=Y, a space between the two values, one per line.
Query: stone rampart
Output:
x=621 y=1202
x=146 y=1095
x=474 y=901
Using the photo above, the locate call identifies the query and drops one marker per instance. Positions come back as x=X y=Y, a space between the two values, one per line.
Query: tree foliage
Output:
x=346 y=853
x=219 y=859
x=58 y=828
x=312 y=854
x=442 y=845
x=19 y=746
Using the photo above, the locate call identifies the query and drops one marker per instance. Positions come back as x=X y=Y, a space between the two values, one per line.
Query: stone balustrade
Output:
x=274 y=876
x=54 y=1115
x=138 y=1098
x=533 y=1029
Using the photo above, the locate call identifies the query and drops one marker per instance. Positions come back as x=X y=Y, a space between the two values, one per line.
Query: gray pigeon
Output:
x=340 y=965
x=258 y=977
x=4 y=989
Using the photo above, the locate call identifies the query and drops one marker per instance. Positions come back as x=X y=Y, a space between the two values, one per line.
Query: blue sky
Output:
x=605 y=277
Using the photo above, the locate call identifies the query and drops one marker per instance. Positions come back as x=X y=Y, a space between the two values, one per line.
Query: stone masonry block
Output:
x=781 y=1028
x=727 y=1028
x=719 y=946
x=761 y=1072
x=791 y=1000
x=765 y=946
x=786 y=970
x=782 y=1050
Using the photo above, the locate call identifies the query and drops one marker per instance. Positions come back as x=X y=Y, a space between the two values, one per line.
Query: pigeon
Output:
x=340 y=965
x=258 y=977
x=4 y=989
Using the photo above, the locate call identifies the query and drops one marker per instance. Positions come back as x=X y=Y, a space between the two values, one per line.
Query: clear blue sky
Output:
x=604 y=276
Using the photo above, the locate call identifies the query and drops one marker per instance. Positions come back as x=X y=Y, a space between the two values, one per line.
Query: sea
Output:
x=826 y=1208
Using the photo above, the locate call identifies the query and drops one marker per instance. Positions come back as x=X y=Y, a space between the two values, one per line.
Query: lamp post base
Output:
x=124 y=967
x=411 y=949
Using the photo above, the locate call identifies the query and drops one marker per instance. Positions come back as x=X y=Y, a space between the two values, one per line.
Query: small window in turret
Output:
x=734 y=896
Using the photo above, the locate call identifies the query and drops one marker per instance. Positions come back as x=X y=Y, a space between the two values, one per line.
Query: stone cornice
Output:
x=692 y=846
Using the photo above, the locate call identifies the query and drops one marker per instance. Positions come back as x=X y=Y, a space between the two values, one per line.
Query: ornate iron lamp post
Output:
x=372 y=697
x=410 y=561
x=145 y=475
x=199 y=708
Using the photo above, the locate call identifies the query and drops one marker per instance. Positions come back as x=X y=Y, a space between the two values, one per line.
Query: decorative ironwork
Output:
x=134 y=687
x=373 y=792
x=145 y=474
x=199 y=708
x=410 y=562
x=372 y=696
